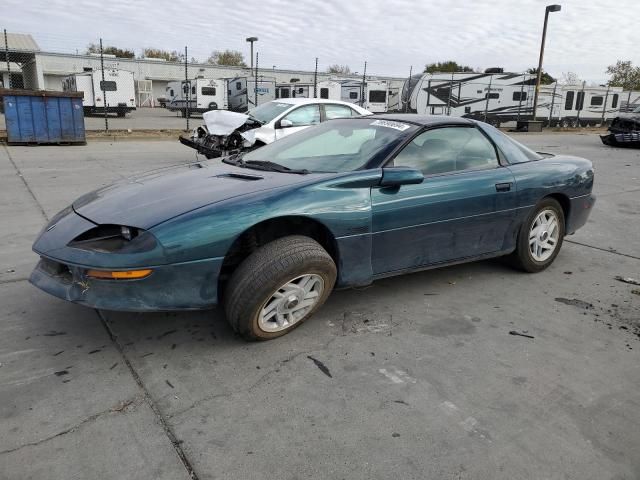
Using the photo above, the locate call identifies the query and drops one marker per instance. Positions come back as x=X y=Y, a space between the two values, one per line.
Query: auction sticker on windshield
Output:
x=395 y=125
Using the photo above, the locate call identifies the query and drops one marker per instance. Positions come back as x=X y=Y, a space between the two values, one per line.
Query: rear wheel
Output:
x=278 y=287
x=540 y=237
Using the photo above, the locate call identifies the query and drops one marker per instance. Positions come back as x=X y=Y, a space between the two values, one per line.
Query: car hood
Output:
x=152 y=198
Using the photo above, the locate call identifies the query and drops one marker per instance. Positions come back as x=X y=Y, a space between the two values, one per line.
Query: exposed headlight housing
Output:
x=115 y=239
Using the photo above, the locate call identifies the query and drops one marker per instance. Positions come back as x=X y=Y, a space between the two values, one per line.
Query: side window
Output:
x=284 y=93
x=353 y=95
x=596 y=101
x=519 y=96
x=324 y=93
x=337 y=111
x=448 y=149
x=238 y=85
x=193 y=90
x=568 y=102
x=172 y=93
x=614 y=101
x=209 y=91
x=491 y=95
x=580 y=101
x=307 y=115
x=377 y=96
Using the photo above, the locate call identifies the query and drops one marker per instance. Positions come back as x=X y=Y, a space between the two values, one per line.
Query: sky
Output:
x=391 y=35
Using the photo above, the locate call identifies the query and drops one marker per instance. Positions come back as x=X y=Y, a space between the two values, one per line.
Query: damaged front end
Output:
x=223 y=133
x=625 y=132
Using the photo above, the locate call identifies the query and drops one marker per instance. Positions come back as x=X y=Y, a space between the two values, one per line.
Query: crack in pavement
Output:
x=44 y=214
x=121 y=407
x=262 y=378
x=14 y=280
x=149 y=400
x=614 y=252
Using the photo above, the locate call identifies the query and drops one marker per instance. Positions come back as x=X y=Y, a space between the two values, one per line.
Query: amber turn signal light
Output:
x=119 y=275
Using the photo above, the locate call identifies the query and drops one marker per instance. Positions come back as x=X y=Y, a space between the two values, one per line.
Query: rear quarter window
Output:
x=514 y=151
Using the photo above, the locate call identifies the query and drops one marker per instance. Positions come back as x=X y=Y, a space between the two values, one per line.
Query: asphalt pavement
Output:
x=414 y=377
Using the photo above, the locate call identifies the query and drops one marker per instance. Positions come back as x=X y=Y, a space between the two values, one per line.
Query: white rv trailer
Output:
x=376 y=96
x=347 y=90
x=294 y=90
x=118 y=88
x=237 y=94
x=492 y=97
x=393 y=101
x=629 y=101
x=204 y=94
x=578 y=105
x=350 y=90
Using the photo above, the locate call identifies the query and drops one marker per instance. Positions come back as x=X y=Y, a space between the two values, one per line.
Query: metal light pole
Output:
x=550 y=8
x=251 y=40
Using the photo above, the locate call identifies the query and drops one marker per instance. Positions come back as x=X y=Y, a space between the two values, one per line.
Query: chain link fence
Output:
x=127 y=89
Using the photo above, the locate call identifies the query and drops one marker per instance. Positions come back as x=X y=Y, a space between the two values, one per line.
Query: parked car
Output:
x=268 y=234
x=226 y=133
x=625 y=130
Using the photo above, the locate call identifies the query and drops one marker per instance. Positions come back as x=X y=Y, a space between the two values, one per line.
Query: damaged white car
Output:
x=226 y=133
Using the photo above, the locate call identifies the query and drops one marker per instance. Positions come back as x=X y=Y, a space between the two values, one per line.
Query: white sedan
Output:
x=225 y=132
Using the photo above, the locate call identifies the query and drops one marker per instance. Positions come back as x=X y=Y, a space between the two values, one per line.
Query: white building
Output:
x=46 y=70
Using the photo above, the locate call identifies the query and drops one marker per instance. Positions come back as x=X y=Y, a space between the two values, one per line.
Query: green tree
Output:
x=624 y=74
x=110 y=50
x=448 y=66
x=545 y=78
x=231 y=58
x=173 y=56
x=339 y=69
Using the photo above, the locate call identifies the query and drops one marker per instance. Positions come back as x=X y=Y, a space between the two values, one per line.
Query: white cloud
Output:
x=584 y=37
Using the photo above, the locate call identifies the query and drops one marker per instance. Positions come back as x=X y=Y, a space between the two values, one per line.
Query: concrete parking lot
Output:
x=421 y=377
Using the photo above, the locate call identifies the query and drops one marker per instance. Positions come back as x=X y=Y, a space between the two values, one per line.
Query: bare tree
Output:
x=231 y=58
x=570 y=78
x=118 y=52
x=339 y=69
x=172 y=56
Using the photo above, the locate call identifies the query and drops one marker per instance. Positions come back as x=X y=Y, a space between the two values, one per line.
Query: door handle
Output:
x=503 y=187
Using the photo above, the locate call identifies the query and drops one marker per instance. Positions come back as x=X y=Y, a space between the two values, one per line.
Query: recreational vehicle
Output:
x=376 y=95
x=117 y=88
x=629 y=101
x=577 y=105
x=202 y=94
x=294 y=90
x=341 y=89
x=350 y=90
x=492 y=97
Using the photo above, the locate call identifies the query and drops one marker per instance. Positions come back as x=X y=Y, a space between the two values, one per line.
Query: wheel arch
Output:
x=564 y=202
x=271 y=229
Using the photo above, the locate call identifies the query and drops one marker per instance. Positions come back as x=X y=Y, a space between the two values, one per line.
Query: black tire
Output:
x=522 y=258
x=267 y=269
x=121 y=114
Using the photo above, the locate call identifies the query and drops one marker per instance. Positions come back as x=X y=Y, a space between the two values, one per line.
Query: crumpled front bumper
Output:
x=181 y=286
x=202 y=146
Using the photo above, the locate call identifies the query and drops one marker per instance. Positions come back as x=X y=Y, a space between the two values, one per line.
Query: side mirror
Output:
x=284 y=123
x=396 y=176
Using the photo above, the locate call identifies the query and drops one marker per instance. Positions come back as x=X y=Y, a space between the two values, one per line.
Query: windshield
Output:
x=268 y=111
x=340 y=145
x=636 y=110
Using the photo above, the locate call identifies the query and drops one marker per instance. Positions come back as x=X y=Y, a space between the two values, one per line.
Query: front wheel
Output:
x=540 y=237
x=278 y=287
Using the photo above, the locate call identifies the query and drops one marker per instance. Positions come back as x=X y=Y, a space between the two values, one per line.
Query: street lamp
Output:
x=251 y=40
x=550 y=8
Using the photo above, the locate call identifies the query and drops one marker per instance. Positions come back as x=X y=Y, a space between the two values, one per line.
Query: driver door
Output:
x=464 y=207
x=300 y=118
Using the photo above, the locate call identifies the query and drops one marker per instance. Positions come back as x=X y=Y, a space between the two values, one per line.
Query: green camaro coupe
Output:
x=268 y=234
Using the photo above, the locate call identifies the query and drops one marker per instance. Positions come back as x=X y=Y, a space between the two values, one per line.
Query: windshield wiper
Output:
x=235 y=159
x=271 y=167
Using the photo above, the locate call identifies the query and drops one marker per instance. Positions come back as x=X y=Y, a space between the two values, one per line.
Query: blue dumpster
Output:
x=39 y=116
